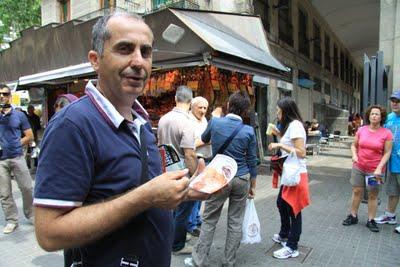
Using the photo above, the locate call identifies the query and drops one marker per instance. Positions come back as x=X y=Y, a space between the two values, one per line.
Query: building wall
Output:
x=290 y=56
x=389 y=39
x=50 y=11
x=80 y=8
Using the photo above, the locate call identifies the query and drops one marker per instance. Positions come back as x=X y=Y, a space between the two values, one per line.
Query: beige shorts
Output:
x=393 y=184
x=358 y=179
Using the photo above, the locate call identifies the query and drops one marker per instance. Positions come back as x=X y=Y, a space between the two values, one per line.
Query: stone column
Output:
x=389 y=39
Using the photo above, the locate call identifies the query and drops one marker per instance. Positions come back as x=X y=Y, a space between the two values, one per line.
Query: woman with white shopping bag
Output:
x=293 y=194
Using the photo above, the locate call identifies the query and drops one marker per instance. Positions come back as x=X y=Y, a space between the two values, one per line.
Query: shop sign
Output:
x=285 y=85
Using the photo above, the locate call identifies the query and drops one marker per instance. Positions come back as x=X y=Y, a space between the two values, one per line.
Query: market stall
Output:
x=208 y=81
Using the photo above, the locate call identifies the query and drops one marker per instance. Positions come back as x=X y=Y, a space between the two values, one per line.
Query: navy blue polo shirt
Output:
x=90 y=153
x=12 y=126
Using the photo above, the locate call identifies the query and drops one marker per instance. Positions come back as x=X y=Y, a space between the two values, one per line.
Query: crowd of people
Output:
x=100 y=192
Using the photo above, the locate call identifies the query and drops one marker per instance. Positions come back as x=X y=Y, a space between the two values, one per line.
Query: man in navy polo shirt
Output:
x=99 y=186
x=12 y=124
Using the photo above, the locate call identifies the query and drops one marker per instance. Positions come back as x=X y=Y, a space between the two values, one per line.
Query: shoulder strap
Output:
x=227 y=142
x=143 y=156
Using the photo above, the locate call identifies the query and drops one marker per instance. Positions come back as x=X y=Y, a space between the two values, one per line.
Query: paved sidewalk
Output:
x=331 y=243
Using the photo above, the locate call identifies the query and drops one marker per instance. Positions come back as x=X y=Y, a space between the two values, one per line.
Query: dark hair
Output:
x=3 y=85
x=381 y=109
x=100 y=32
x=239 y=104
x=290 y=112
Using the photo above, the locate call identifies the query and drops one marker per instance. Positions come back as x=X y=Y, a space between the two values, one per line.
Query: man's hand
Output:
x=169 y=189
x=252 y=190
x=355 y=158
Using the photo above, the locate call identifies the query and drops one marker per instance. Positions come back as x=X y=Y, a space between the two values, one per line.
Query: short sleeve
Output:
x=389 y=136
x=296 y=130
x=188 y=136
x=24 y=121
x=66 y=166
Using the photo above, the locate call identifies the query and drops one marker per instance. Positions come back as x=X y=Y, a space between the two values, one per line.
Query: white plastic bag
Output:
x=291 y=170
x=251 y=224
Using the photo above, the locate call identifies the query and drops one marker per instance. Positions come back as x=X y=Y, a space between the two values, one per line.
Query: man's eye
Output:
x=124 y=50
x=146 y=51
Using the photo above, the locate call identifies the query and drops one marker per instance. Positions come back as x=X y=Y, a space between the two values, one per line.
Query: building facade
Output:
x=324 y=79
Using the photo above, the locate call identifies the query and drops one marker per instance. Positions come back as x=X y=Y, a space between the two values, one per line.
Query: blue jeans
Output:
x=181 y=217
x=194 y=217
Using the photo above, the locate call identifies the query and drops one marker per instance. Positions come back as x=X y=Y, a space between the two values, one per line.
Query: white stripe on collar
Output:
x=109 y=110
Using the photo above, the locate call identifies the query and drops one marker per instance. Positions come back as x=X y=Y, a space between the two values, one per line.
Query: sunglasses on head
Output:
x=5 y=93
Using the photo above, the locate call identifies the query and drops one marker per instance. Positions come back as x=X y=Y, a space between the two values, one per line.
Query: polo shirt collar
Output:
x=109 y=112
x=234 y=116
x=176 y=109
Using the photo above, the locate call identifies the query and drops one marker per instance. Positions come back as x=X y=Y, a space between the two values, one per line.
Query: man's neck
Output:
x=123 y=106
x=5 y=110
x=183 y=106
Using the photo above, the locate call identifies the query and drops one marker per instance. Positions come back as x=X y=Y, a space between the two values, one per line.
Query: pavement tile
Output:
x=332 y=244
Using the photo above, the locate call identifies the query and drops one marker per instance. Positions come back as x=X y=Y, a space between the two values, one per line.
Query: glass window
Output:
x=327 y=89
x=65 y=11
x=317 y=85
x=304 y=47
x=261 y=8
x=327 y=52
x=342 y=64
x=317 y=43
x=335 y=61
x=285 y=21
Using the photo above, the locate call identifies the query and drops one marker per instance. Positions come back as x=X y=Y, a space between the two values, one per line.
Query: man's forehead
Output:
x=123 y=25
x=4 y=89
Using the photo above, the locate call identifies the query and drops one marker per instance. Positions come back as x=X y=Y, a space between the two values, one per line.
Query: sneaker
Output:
x=10 y=227
x=186 y=250
x=350 y=220
x=384 y=218
x=372 y=226
x=285 y=253
x=278 y=239
x=397 y=229
x=188 y=262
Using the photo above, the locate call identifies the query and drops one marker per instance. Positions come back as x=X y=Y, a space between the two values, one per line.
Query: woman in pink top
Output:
x=371 y=150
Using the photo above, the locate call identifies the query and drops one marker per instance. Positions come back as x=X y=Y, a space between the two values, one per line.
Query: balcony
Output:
x=186 y=4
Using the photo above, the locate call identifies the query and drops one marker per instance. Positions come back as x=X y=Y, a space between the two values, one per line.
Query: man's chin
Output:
x=134 y=90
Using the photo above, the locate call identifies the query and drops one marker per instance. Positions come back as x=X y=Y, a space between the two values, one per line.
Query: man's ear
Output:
x=94 y=59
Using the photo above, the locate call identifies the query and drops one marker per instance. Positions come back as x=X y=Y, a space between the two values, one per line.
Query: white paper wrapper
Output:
x=216 y=175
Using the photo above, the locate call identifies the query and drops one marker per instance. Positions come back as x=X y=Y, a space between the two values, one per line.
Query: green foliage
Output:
x=17 y=15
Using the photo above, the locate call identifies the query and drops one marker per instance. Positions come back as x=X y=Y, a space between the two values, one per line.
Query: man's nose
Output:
x=136 y=59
